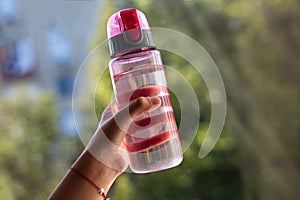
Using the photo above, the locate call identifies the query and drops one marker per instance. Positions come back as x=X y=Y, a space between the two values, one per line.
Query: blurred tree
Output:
x=215 y=177
x=27 y=127
x=255 y=45
x=268 y=70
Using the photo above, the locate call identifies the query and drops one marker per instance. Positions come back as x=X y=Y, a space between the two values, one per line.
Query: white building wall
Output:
x=73 y=20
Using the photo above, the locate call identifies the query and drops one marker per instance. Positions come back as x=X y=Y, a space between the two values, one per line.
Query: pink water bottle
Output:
x=137 y=70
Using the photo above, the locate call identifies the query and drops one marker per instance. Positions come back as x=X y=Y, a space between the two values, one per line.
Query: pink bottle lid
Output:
x=125 y=20
x=128 y=31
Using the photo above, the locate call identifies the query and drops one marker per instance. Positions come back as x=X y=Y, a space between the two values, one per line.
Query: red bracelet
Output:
x=99 y=190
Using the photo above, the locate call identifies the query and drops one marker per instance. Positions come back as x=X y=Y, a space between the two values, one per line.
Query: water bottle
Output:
x=136 y=69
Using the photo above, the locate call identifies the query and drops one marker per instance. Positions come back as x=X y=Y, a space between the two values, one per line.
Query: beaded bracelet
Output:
x=99 y=190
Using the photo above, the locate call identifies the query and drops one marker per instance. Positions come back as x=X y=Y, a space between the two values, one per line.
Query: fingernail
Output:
x=155 y=101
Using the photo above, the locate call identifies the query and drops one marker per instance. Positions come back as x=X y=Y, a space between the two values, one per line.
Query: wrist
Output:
x=99 y=173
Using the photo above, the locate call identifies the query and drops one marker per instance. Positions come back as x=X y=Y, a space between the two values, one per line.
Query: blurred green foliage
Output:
x=256 y=46
x=27 y=127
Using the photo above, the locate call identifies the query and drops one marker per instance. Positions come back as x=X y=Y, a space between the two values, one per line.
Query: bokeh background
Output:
x=256 y=46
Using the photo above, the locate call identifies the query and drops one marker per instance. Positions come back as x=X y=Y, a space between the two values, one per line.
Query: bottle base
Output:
x=158 y=167
x=161 y=157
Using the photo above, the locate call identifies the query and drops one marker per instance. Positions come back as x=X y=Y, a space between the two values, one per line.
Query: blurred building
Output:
x=42 y=44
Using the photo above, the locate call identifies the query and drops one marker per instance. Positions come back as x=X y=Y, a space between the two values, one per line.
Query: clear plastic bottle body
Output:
x=151 y=141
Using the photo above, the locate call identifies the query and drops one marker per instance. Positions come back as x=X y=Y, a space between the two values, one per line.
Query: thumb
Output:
x=116 y=128
x=141 y=105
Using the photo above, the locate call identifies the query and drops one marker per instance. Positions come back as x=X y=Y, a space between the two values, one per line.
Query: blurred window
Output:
x=59 y=47
x=8 y=11
x=67 y=124
x=65 y=85
x=18 y=58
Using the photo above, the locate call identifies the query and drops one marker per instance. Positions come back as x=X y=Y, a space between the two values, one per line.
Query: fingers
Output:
x=105 y=143
x=143 y=104
x=116 y=127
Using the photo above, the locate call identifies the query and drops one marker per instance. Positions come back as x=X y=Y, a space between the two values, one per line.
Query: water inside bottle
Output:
x=152 y=140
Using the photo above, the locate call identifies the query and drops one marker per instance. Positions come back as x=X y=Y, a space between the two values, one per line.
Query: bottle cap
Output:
x=128 y=31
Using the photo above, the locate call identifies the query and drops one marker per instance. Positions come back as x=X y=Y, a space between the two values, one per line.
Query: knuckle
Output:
x=143 y=102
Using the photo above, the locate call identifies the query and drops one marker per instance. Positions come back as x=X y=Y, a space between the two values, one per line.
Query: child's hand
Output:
x=107 y=140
